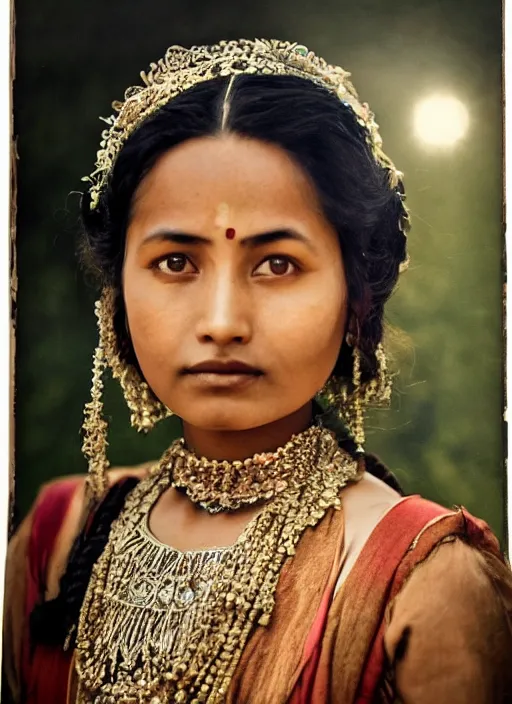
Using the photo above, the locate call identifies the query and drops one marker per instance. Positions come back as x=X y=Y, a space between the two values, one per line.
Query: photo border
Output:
x=8 y=271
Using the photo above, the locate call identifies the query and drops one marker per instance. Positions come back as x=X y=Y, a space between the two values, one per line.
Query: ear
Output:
x=353 y=327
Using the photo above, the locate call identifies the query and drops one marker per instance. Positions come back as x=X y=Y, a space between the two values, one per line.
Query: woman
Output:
x=247 y=230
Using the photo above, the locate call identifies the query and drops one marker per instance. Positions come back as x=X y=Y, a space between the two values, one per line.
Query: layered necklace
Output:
x=160 y=625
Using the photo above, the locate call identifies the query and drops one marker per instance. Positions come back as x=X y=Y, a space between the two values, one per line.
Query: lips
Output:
x=223 y=367
x=229 y=376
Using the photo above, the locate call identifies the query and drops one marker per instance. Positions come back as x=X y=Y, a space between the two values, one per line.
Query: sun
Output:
x=440 y=120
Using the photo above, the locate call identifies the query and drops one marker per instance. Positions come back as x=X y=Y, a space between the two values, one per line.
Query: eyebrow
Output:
x=251 y=242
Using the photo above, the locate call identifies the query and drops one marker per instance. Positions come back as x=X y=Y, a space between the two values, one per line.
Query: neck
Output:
x=240 y=444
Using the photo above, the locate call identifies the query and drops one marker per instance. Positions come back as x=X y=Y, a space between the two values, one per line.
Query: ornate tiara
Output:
x=182 y=68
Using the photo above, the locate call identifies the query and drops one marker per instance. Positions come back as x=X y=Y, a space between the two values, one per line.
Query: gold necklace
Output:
x=226 y=486
x=160 y=625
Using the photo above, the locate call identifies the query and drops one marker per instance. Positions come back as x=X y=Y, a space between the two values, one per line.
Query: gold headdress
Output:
x=179 y=70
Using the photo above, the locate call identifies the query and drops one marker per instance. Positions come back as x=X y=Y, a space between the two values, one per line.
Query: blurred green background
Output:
x=444 y=435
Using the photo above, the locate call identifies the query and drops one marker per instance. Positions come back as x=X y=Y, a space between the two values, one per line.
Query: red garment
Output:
x=378 y=561
x=45 y=669
x=401 y=540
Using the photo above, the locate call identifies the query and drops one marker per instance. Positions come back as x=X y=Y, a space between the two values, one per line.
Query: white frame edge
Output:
x=6 y=19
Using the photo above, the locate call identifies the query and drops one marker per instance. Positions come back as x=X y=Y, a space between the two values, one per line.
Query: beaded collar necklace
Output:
x=226 y=486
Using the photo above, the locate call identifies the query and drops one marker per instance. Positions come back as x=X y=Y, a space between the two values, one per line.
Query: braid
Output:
x=377 y=468
x=372 y=463
x=51 y=621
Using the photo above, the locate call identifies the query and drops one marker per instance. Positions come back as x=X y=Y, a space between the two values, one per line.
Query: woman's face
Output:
x=230 y=262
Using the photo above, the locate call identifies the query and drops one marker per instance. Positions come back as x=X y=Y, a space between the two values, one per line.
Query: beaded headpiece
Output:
x=182 y=68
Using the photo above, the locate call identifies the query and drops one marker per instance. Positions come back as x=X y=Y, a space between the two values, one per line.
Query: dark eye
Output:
x=276 y=266
x=174 y=264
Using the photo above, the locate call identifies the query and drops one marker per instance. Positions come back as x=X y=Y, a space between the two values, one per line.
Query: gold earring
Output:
x=94 y=429
x=146 y=410
x=350 y=401
x=353 y=407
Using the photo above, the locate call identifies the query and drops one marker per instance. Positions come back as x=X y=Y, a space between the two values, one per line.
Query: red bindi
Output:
x=230 y=233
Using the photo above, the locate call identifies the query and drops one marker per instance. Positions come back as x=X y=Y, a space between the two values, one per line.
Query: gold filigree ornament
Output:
x=145 y=409
x=182 y=68
x=350 y=400
x=159 y=625
x=227 y=486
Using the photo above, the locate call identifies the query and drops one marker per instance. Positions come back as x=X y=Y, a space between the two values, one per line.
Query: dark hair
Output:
x=324 y=137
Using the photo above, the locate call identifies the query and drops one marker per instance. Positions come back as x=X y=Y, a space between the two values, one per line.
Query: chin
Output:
x=224 y=422
x=225 y=416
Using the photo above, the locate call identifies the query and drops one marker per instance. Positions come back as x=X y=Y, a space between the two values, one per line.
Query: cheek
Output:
x=305 y=331
x=154 y=328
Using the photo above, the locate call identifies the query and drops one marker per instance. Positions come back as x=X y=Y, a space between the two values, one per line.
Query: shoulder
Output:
x=458 y=572
x=364 y=505
x=387 y=533
x=377 y=511
x=445 y=590
x=37 y=556
x=456 y=555
x=449 y=629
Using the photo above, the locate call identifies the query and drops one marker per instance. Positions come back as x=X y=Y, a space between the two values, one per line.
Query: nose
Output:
x=225 y=311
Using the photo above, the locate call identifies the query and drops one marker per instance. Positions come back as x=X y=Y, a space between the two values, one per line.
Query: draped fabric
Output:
x=319 y=649
x=321 y=646
x=44 y=668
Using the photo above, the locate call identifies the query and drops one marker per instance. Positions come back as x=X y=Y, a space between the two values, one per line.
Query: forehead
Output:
x=246 y=177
